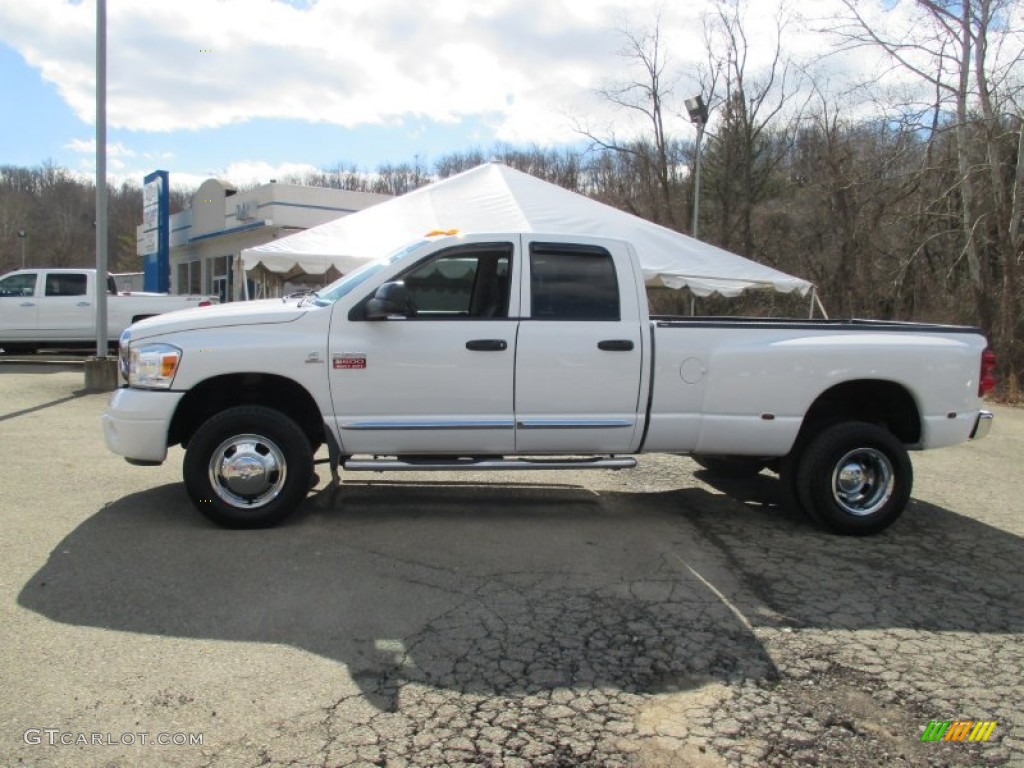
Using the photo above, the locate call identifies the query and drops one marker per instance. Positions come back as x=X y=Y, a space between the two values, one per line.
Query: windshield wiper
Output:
x=302 y=295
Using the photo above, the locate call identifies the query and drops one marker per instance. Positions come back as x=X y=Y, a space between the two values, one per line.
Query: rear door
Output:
x=66 y=311
x=580 y=352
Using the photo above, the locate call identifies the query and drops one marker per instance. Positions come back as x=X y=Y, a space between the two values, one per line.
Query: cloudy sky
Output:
x=255 y=89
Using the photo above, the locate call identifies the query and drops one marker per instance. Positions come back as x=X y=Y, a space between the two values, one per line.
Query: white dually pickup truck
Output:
x=530 y=351
x=57 y=307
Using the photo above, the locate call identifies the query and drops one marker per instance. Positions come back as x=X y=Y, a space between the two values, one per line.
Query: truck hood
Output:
x=220 y=316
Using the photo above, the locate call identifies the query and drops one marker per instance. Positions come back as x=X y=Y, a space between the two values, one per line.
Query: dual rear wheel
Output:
x=854 y=478
x=851 y=477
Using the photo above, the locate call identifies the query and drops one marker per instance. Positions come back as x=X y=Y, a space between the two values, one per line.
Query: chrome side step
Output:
x=448 y=464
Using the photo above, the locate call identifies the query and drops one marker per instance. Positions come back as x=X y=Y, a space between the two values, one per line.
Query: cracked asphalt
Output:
x=654 y=617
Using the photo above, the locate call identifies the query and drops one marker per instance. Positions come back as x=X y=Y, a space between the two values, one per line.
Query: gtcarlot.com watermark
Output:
x=55 y=737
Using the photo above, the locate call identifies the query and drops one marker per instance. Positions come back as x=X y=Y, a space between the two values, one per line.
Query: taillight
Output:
x=205 y=303
x=987 y=379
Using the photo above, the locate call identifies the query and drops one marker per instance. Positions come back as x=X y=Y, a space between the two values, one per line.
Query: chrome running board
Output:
x=449 y=464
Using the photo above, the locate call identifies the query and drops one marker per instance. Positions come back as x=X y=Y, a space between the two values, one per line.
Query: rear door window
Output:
x=572 y=283
x=65 y=284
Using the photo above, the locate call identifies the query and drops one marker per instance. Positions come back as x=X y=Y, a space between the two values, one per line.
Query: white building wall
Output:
x=223 y=221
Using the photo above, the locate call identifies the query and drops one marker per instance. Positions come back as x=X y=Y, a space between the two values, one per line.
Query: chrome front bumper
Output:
x=982 y=425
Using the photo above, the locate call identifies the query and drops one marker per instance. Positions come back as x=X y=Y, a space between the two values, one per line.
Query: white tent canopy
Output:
x=496 y=198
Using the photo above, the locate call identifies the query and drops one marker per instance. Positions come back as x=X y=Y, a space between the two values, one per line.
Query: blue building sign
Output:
x=156 y=234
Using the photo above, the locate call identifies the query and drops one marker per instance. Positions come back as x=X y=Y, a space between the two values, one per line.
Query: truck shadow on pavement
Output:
x=933 y=569
x=516 y=590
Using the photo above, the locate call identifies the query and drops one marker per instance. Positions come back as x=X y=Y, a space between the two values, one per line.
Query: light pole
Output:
x=101 y=178
x=101 y=370
x=22 y=235
x=698 y=111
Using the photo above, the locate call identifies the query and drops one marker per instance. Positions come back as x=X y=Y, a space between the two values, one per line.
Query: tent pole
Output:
x=821 y=306
x=814 y=293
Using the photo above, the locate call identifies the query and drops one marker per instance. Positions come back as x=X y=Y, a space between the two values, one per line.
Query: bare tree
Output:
x=754 y=128
x=401 y=178
x=967 y=50
x=341 y=176
x=654 y=156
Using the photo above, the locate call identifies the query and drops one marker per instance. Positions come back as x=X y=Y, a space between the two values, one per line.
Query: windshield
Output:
x=347 y=283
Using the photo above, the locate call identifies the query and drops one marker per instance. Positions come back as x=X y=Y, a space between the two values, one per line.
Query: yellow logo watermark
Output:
x=958 y=730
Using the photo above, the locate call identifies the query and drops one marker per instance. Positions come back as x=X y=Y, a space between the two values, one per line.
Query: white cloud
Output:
x=205 y=63
x=258 y=172
x=241 y=173
x=88 y=146
x=525 y=67
x=199 y=64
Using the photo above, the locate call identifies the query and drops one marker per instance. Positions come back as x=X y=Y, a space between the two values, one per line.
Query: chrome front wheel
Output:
x=248 y=467
x=248 y=470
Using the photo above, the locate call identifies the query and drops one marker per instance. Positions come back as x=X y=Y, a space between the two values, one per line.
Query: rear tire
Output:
x=854 y=478
x=248 y=467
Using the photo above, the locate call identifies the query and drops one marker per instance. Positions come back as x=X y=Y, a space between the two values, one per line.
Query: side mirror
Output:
x=389 y=300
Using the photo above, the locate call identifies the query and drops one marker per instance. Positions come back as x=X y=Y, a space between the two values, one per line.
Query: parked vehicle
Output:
x=532 y=351
x=57 y=307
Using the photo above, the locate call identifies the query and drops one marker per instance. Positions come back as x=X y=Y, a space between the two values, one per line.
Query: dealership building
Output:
x=204 y=241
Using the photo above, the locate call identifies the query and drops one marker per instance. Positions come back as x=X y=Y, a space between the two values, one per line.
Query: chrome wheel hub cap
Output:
x=247 y=471
x=863 y=481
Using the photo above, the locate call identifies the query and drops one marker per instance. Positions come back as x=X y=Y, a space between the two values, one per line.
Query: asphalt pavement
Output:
x=653 y=617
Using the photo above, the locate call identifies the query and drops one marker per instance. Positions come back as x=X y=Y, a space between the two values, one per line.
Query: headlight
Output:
x=124 y=353
x=152 y=366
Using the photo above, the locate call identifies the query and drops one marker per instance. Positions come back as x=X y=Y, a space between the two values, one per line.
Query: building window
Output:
x=219 y=270
x=190 y=277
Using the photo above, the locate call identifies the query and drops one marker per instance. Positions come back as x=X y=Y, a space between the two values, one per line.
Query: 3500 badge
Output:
x=348 y=361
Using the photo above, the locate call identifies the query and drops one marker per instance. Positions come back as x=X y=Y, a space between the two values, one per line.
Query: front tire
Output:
x=854 y=478
x=248 y=467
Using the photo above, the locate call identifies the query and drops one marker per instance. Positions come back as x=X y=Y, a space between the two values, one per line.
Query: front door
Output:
x=439 y=380
x=19 y=307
